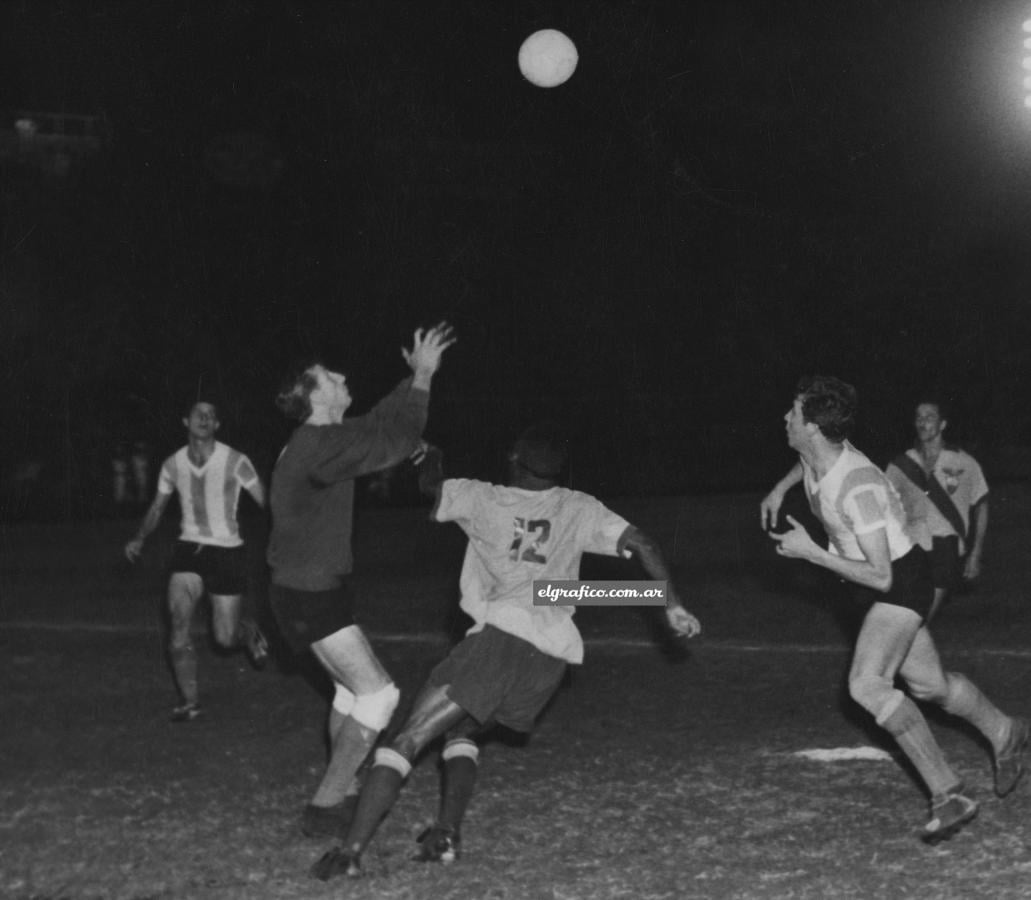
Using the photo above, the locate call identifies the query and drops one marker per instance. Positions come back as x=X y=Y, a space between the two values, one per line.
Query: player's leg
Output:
x=431 y=716
x=926 y=679
x=506 y=680
x=184 y=591
x=460 y=761
x=226 y=581
x=946 y=572
x=232 y=630
x=884 y=642
x=225 y=619
x=364 y=701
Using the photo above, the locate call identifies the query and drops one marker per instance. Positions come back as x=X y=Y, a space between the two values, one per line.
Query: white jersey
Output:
x=208 y=494
x=962 y=479
x=856 y=498
x=517 y=536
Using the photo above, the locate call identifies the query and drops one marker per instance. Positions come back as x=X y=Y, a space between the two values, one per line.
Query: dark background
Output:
x=725 y=196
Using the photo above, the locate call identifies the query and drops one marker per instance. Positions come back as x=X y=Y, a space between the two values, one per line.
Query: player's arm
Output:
x=979 y=528
x=257 y=491
x=649 y=555
x=874 y=570
x=150 y=521
x=769 y=508
x=389 y=433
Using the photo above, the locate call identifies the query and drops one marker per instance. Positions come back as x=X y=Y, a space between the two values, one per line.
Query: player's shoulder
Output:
x=233 y=452
x=957 y=455
x=177 y=457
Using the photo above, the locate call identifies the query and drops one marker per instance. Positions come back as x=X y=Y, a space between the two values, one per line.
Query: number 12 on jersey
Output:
x=529 y=539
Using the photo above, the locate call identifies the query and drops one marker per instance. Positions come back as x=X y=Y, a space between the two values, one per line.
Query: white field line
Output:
x=628 y=643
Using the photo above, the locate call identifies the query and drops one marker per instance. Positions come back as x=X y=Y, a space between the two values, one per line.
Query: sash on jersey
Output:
x=931 y=486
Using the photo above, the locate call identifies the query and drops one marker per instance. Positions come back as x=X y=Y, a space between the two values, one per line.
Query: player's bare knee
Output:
x=374 y=710
x=413 y=739
x=871 y=691
x=935 y=690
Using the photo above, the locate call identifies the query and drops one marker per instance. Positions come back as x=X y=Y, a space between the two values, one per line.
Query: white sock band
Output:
x=461 y=747
x=392 y=760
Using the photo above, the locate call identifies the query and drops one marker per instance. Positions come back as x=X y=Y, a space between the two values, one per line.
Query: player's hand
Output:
x=795 y=543
x=428 y=345
x=133 y=549
x=971 y=568
x=682 y=622
x=769 y=509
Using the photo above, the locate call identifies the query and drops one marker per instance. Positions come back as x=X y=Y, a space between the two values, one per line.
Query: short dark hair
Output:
x=294 y=397
x=829 y=403
x=542 y=451
x=188 y=407
x=934 y=400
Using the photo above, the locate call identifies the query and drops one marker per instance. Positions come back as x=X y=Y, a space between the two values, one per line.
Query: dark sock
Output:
x=459 y=784
x=380 y=793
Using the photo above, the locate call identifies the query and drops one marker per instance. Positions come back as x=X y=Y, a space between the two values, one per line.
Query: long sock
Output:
x=460 y=770
x=184 y=668
x=380 y=793
x=910 y=730
x=352 y=742
x=336 y=722
x=965 y=700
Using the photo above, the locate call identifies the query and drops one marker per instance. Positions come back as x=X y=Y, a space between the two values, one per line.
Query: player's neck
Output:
x=325 y=415
x=821 y=455
x=931 y=450
x=200 y=450
x=529 y=482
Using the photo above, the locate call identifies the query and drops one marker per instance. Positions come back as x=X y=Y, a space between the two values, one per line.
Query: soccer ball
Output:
x=547 y=58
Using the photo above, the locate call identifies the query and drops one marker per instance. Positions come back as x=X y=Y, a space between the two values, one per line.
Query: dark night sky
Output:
x=725 y=195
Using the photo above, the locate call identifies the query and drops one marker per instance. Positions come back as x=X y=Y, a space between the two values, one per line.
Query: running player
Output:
x=309 y=552
x=513 y=658
x=869 y=547
x=209 y=555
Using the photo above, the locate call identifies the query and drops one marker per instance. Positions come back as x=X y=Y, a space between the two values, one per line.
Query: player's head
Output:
x=828 y=403
x=538 y=456
x=200 y=418
x=309 y=384
x=930 y=418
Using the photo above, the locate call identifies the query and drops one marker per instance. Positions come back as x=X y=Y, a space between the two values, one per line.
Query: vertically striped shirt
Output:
x=856 y=498
x=208 y=494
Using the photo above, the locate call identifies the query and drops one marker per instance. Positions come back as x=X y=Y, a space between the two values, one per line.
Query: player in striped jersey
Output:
x=869 y=547
x=209 y=555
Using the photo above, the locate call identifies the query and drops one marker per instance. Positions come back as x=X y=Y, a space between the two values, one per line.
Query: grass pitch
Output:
x=652 y=775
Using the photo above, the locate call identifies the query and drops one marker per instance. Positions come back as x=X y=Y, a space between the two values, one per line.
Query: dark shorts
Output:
x=946 y=563
x=305 y=617
x=497 y=677
x=222 y=569
x=911 y=584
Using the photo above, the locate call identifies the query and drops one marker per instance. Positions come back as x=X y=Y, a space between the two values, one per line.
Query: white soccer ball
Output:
x=547 y=58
